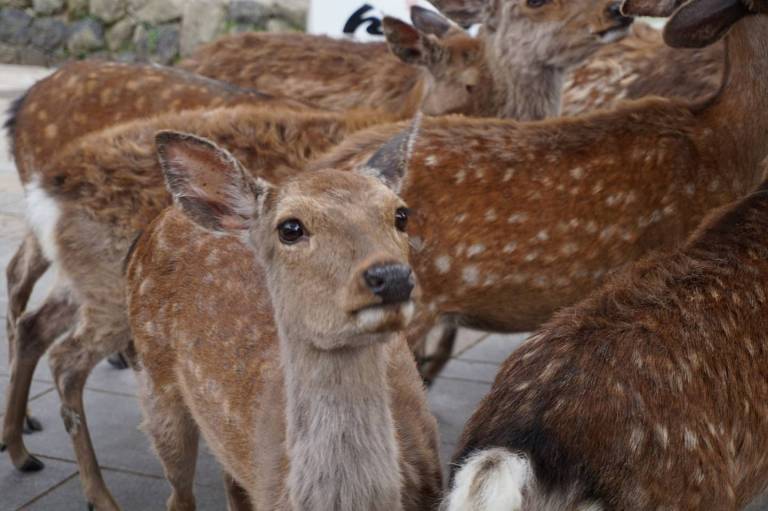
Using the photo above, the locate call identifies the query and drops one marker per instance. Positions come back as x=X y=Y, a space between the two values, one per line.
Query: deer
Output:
x=515 y=69
x=516 y=220
x=334 y=415
x=95 y=172
x=642 y=65
x=648 y=394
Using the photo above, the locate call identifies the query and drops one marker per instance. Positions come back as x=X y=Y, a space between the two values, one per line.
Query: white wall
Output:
x=330 y=16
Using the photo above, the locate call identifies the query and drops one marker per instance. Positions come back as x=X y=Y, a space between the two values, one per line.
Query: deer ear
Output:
x=700 y=23
x=208 y=183
x=430 y=22
x=390 y=162
x=463 y=12
x=654 y=8
x=408 y=44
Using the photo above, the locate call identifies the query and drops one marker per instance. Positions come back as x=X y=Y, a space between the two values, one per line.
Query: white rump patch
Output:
x=491 y=480
x=43 y=214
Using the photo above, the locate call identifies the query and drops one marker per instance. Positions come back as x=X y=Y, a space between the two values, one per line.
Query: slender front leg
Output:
x=174 y=436
x=36 y=331
x=71 y=362
x=23 y=271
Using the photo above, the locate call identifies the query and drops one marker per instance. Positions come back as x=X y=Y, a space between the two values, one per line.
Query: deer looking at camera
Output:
x=514 y=69
x=302 y=385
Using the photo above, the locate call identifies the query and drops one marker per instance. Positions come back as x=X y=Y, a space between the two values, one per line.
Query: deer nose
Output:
x=614 y=11
x=392 y=283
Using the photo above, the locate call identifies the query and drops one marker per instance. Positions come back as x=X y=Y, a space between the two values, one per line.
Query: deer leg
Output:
x=237 y=497
x=36 y=331
x=71 y=362
x=27 y=265
x=433 y=365
x=174 y=436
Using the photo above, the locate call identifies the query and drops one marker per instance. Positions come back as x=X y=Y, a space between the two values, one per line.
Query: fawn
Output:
x=522 y=219
x=302 y=385
x=515 y=69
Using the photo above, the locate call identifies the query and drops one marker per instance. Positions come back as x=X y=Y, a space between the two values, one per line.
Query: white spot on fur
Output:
x=461 y=217
x=475 y=249
x=577 y=173
x=43 y=215
x=443 y=264
x=508 y=174
x=491 y=480
x=431 y=160
x=490 y=215
x=517 y=218
x=460 y=176
x=509 y=247
x=471 y=274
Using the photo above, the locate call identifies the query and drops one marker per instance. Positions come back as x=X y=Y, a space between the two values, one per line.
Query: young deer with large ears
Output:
x=513 y=221
x=291 y=362
x=515 y=68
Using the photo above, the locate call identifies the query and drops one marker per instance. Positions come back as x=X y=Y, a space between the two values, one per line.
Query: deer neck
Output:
x=740 y=111
x=524 y=90
x=341 y=443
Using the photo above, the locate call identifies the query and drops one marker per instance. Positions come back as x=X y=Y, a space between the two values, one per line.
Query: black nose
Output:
x=614 y=11
x=393 y=283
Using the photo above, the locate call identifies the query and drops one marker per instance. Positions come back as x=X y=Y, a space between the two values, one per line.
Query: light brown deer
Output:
x=514 y=70
x=642 y=65
x=302 y=384
x=513 y=221
x=649 y=394
x=111 y=180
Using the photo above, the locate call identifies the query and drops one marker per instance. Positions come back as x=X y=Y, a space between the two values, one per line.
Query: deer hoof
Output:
x=32 y=465
x=118 y=361
x=31 y=425
x=3 y=447
x=91 y=507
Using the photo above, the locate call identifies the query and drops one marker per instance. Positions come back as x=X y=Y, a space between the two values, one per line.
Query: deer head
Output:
x=559 y=33
x=457 y=77
x=333 y=244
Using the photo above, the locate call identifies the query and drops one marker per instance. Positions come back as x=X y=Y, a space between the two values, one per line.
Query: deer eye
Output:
x=290 y=231
x=401 y=219
x=536 y=3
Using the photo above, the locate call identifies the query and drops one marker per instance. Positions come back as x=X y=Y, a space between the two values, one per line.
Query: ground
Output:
x=132 y=471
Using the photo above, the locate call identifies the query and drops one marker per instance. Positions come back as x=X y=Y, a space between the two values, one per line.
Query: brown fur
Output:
x=88 y=96
x=108 y=187
x=514 y=70
x=514 y=221
x=642 y=65
x=238 y=381
x=651 y=393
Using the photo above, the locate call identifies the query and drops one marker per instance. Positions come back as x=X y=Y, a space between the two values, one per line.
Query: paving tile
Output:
x=495 y=348
x=452 y=402
x=471 y=370
x=132 y=492
x=759 y=504
x=467 y=338
x=37 y=390
x=18 y=488
x=113 y=421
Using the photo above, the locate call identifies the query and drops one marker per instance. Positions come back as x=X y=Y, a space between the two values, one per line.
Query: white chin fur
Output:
x=370 y=319
x=614 y=35
x=43 y=214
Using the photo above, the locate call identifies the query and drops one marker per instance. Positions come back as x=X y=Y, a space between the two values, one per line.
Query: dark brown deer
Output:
x=513 y=221
x=649 y=394
x=310 y=314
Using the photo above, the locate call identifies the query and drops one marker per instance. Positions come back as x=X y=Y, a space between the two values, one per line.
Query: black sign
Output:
x=358 y=18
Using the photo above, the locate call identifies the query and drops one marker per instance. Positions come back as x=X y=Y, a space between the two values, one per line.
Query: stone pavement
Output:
x=131 y=470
